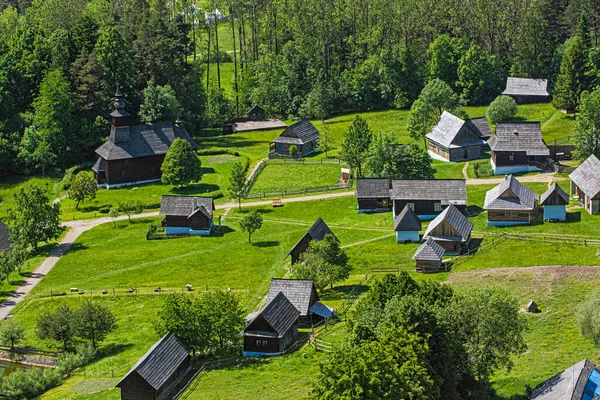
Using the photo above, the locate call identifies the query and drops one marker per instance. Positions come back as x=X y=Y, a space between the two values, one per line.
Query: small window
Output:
x=514 y=215
x=511 y=158
x=411 y=206
x=123 y=174
x=262 y=343
x=437 y=206
x=507 y=215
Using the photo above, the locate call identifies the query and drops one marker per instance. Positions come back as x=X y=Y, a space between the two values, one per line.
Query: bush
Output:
x=482 y=169
x=105 y=209
x=217 y=152
x=65 y=182
x=29 y=383
x=589 y=317
x=503 y=108
x=68 y=362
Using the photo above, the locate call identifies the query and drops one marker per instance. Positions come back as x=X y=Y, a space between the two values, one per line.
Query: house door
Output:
x=466 y=154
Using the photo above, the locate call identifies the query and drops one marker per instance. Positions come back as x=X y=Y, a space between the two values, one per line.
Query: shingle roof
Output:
x=429 y=250
x=455 y=219
x=255 y=110
x=525 y=199
x=300 y=292
x=449 y=191
x=519 y=136
x=161 y=361
x=372 y=188
x=446 y=129
x=554 y=189
x=481 y=127
x=300 y=133
x=317 y=232
x=587 y=176
x=144 y=140
x=280 y=314
x=4 y=237
x=186 y=206
x=570 y=384
x=407 y=220
x=526 y=87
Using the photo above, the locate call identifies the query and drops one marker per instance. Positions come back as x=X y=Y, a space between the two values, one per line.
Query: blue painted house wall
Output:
x=506 y=223
x=555 y=212
x=407 y=236
x=513 y=169
x=177 y=230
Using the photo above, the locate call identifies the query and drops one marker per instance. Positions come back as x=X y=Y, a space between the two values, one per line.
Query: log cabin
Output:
x=454 y=139
x=580 y=381
x=510 y=203
x=134 y=154
x=256 y=113
x=158 y=372
x=187 y=215
x=428 y=257
x=303 y=295
x=555 y=202
x=428 y=197
x=451 y=230
x=585 y=184
x=526 y=90
x=518 y=147
x=273 y=329
x=316 y=232
x=302 y=134
x=407 y=226
x=373 y=194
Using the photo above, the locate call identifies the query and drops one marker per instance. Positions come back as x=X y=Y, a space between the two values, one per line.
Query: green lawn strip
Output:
x=11 y=185
x=281 y=177
x=448 y=170
x=80 y=388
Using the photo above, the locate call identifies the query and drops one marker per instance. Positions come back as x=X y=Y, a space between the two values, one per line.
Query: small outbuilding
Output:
x=273 y=329
x=578 y=382
x=510 y=203
x=407 y=226
x=256 y=113
x=303 y=295
x=373 y=194
x=451 y=230
x=555 y=202
x=428 y=257
x=428 y=197
x=316 y=232
x=187 y=215
x=302 y=134
x=453 y=139
x=526 y=90
x=585 y=184
x=4 y=238
x=532 y=307
x=158 y=372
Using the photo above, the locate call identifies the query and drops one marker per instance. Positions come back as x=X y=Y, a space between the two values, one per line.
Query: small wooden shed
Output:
x=303 y=295
x=532 y=307
x=302 y=134
x=187 y=215
x=451 y=230
x=428 y=257
x=585 y=184
x=527 y=90
x=256 y=113
x=373 y=194
x=555 y=202
x=316 y=232
x=407 y=226
x=510 y=203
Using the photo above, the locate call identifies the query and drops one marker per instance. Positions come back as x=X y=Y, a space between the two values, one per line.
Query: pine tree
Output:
x=181 y=165
x=573 y=78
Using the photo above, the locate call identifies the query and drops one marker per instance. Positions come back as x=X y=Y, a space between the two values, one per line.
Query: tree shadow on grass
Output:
x=196 y=189
x=208 y=170
x=268 y=243
x=77 y=247
x=222 y=231
x=341 y=292
x=473 y=210
x=573 y=217
x=112 y=349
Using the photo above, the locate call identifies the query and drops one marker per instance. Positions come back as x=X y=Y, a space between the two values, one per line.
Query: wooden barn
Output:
x=481 y=127
x=555 y=202
x=273 y=329
x=453 y=139
x=451 y=230
x=187 y=215
x=4 y=238
x=578 y=382
x=158 y=372
x=303 y=295
x=525 y=90
x=585 y=184
x=519 y=147
x=134 y=154
x=510 y=203
x=428 y=257
x=407 y=226
x=302 y=134
x=428 y=197
x=256 y=113
x=373 y=194
x=316 y=232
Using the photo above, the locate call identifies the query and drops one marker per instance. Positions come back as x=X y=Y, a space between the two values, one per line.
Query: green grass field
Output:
x=281 y=177
x=11 y=185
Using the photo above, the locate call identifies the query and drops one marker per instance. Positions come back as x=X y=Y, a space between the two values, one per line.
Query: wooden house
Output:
x=453 y=139
x=555 y=202
x=302 y=134
x=518 y=147
x=187 y=215
x=373 y=194
x=4 y=238
x=585 y=184
x=578 y=382
x=158 y=372
x=525 y=90
x=273 y=329
x=428 y=197
x=316 y=232
x=134 y=154
x=256 y=113
x=510 y=203
x=407 y=226
x=481 y=127
x=303 y=295
x=451 y=230
x=428 y=257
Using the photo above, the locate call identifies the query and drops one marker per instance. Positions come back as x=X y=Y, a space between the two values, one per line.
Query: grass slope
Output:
x=281 y=177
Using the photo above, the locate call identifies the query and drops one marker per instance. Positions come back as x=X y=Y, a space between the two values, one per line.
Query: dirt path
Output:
x=544 y=177
x=465 y=170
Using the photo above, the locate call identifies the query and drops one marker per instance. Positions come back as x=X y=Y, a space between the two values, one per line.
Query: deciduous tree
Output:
x=226 y=318
x=11 y=333
x=588 y=317
x=57 y=326
x=159 y=103
x=324 y=262
x=355 y=144
x=181 y=165
x=237 y=181
x=251 y=223
x=586 y=135
x=83 y=187
x=503 y=108
x=93 y=322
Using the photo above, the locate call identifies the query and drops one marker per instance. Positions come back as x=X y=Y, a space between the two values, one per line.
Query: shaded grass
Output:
x=12 y=184
x=280 y=177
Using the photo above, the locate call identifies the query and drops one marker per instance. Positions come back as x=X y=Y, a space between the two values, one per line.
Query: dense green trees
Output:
x=323 y=262
x=160 y=104
x=181 y=165
x=573 y=77
x=586 y=135
x=388 y=159
x=355 y=144
x=503 y=108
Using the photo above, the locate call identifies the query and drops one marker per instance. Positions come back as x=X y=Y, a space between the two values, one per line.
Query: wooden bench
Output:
x=277 y=203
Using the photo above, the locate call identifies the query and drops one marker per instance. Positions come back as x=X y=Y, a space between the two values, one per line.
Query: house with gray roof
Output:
x=302 y=134
x=518 y=147
x=428 y=197
x=526 y=90
x=578 y=382
x=510 y=203
x=373 y=194
x=451 y=230
x=273 y=329
x=407 y=226
x=316 y=232
x=134 y=154
x=303 y=295
x=4 y=238
x=481 y=127
x=428 y=257
x=453 y=139
x=187 y=215
x=158 y=372
x=555 y=202
x=585 y=184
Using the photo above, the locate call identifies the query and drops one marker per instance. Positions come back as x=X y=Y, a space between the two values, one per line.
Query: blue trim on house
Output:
x=506 y=223
x=558 y=213
x=451 y=254
x=407 y=236
x=373 y=210
x=427 y=217
x=310 y=152
x=181 y=230
x=259 y=354
x=513 y=169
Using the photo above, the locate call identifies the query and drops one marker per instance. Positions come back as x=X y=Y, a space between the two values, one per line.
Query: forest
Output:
x=61 y=61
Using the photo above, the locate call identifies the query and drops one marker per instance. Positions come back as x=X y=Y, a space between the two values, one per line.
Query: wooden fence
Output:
x=354 y=293
x=191 y=385
x=320 y=344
